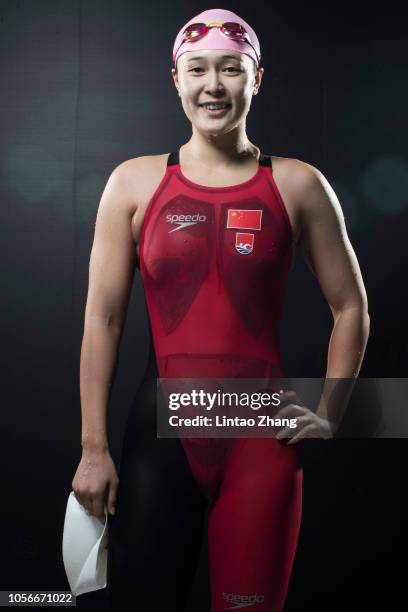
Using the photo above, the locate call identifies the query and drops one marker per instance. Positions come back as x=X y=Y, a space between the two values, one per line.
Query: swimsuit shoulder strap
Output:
x=173 y=158
x=265 y=160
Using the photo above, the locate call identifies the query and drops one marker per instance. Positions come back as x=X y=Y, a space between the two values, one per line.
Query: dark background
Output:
x=84 y=86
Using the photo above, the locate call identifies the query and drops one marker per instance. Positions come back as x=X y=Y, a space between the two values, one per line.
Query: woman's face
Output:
x=205 y=76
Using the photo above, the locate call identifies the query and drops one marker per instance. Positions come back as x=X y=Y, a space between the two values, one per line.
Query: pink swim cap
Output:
x=215 y=39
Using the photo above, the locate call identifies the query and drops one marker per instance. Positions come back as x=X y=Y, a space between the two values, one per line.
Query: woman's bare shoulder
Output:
x=292 y=165
x=142 y=174
x=308 y=190
x=142 y=164
x=297 y=175
x=295 y=168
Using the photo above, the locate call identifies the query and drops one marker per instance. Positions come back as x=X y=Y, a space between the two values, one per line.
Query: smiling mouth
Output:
x=215 y=110
x=215 y=105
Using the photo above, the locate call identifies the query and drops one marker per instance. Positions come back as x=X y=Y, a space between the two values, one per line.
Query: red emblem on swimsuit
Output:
x=244 y=243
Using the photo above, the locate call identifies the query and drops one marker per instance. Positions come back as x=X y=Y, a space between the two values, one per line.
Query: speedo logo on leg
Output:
x=182 y=221
x=242 y=601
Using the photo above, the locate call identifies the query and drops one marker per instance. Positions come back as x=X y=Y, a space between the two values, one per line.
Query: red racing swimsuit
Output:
x=214 y=262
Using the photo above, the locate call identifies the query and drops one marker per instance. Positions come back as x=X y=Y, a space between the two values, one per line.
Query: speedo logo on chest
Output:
x=182 y=221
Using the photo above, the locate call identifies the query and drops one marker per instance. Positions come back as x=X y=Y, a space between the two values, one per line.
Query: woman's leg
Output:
x=254 y=526
x=156 y=533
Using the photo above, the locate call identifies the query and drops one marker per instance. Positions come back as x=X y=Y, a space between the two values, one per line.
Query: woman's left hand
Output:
x=309 y=424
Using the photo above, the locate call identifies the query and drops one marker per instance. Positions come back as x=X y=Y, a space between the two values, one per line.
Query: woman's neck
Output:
x=223 y=151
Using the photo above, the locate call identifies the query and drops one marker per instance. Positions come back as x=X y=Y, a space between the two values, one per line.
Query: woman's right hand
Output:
x=96 y=483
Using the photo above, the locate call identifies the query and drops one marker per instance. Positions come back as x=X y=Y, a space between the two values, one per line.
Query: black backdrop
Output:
x=85 y=85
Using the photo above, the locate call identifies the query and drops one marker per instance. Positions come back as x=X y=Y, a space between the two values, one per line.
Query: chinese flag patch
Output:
x=244 y=219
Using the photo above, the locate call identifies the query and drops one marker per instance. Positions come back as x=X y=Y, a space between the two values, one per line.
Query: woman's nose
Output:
x=214 y=82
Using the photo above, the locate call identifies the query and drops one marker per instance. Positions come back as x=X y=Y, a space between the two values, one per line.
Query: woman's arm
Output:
x=111 y=271
x=328 y=252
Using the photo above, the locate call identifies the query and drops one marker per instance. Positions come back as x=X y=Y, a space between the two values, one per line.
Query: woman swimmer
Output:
x=212 y=228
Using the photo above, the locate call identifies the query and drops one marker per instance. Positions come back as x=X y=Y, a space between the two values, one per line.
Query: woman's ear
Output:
x=175 y=79
x=258 y=79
